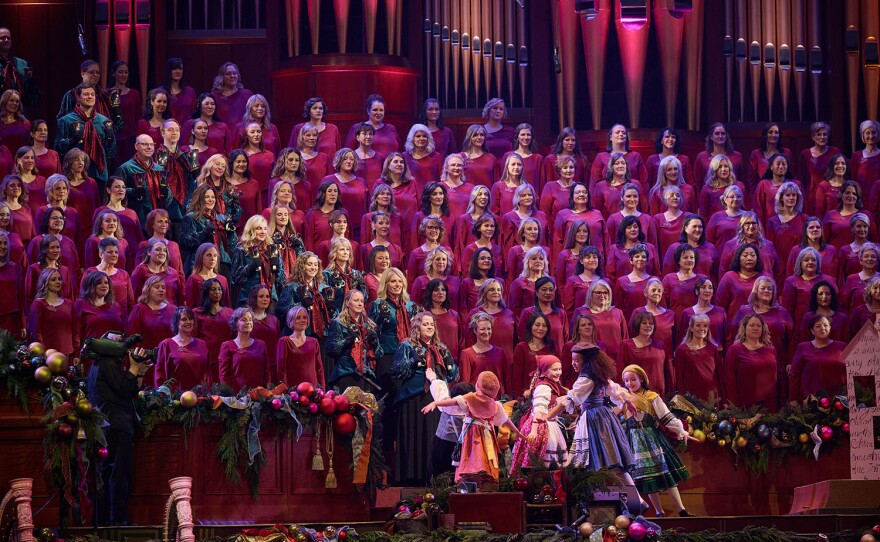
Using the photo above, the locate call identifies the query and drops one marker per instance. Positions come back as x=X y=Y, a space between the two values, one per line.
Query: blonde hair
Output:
x=695 y=319
x=148 y=285
x=765 y=331
x=533 y=253
x=277 y=187
x=481 y=299
x=714 y=164
x=344 y=316
x=335 y=245
x=383 y=284
x=152 y=244
x=248 y=235
x=432 y=254
x=415 y=334
x=205 y=173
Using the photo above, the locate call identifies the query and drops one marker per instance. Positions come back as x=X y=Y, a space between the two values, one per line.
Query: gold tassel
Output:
x=330 y=481
x=317 y=459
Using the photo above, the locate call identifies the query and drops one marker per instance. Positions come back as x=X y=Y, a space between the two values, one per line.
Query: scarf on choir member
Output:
x=267 y=277
x=153 y=180
x=92 y=145
x=320 y=314
x=360 y=352
x=176 y=175
x=434 y=360
x=11 y=77
x=346 y=277
x=402 y=318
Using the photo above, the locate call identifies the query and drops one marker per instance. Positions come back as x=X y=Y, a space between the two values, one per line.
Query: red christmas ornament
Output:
x=341 y=403
x=294 y=396
x=313 y=408
x=342 y=535
x=103 y=453
x=344 y=424
x=824 y=402
x=327 y=406
x=826 y=432
x=304 y=400
x=845 y=428
x=547 y=489
x=521 y=483
x=331 y=394
x=838 y=405
x=305 y=388
x=65 y=431
x=276 y=404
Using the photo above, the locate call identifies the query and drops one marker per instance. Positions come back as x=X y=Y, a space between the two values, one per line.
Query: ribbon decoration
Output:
x=253 y=433
x=362 y=440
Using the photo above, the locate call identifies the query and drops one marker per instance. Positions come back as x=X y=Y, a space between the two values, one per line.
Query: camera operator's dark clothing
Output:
x=112 y=389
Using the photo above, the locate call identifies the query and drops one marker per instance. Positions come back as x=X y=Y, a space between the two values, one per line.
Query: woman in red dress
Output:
x=491 y=301
x=618 y=143
x=705 y=292
x=339 y=226
x=290 y=167
x=482 y=355
x=315 y=111
x=155 y=263
x=829 y=189
x=723 y=224
x=383 y=200
x=813 y=162
x=644 y=350
x=607 y=194
x=524 y=206
x=867 y=312
x=207 y=260
x=499 y=138
x=260 y=160
x=432 y=117
x=57 y=195
x=297 y=355
x=629 y=235
x=212 y=321
x=566 y=144
x=13 y=310
x=381 y=227
x=484 y=230
x=576 y=239
x=106 y=225
x=817 y=364
x=670 y=172
x=779 y=173
x=457 y=187
x=761 y=159
x=317 y=222
x=218 y=131
x=668 y=145
x=751 y=368
x=630 y=202
x=421 y=156
x=478 y=205
x=865 y=163
x=407 y=197
x=579 y=209
x=16 y=199
x=51 y=316
x=824 y=301
x=439 y=265
x=629 y=288
x=229 y=93
x=386 y=139
x=352 y=188
x=808 y=271
x=838 y=231
x=433 y=231
x=257 y=111
x=434 y=204
x=479 y=167
x=527 y=148
x=52 y=223
x=120 y=280
x=589 y=268
x=537 y=341
x=679 y=287
x=16 y=247
x=720 y=175
x=284 y=195
x=511 y=179
x=128 y=219
x=528 y=236
x=243 y=360
x=96 y=310
x=436 y=300
x=522 y=288
x=664 y=319
x=718 y=144
x=84 y=195
x=556 y=194
x=749 y=232
x=317 y=164
x=735 y=285
x=48 y=161
x=377 y=262
x=545 y=303
x=49 y=257
x=697 y=361
x=611 y=326
x=156 y=112
x=182 y=357
x=481 y=267
x=848 y=255
x=785 y=228
x=151 y=316
x=853 y=288
x=182 y=97
x=583 y=334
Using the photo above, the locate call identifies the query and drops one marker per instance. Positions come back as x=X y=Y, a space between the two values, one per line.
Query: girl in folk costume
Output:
x=306 y=288
x=546 y=440
x=657 y=466
x=482 y=413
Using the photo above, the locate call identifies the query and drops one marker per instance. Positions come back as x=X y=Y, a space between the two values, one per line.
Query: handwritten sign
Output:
x=862 y=357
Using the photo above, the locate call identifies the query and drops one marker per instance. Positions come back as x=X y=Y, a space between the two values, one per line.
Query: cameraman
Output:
x=112 y=388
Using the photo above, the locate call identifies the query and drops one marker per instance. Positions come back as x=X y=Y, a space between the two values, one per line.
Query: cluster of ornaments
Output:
x=423 y=504
x=624 y=529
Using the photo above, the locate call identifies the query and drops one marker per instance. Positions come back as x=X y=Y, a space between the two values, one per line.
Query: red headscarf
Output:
x=544 y=364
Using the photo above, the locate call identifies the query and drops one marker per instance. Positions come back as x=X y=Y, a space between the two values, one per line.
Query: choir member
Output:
x=537 y=341
x=106 y=225
x=155 y=113
x=305 y=286
x=115 y=201
x=437 y=301
x=51 y=316
x=576 y=239
x=317 y=164
x=257 y=111
x=566 y=144
x=244 y=186
x=736 y=285
x=207 y=260
x=369 y=162
x=555 y=194
x=315 y=112
x=484 y=231
x=608 y=192
x=14 y=127
x=499 y=138
x=629 y=288
x=545 y=303
x=96 y=138
x=206 y=111
x=511 y=178
x=229 y=93
x=618 y=143
x=664 y=319
x=808 y=271
x=579 y=209
x=525 y=146
x=407 y=197
x=434 y=203
x=353 y=345
x=479 y=167
x=529 y=235
x=482 y=355
x=524 y=205
x=286 y=220
x=824 y=301
x=212 y=321
x=679 y=287
x=583 y=334
x=257 y=260
x=786 y=228
x=57 y=192
x=242 y=361
x=432 y=117
x=151 y=316
x=522 y=288
x=629 y=235
x=155 y=262
x=16 y=246
x=439 y=264
x=670 y=172
x=339 y=226
x=49 y=257
x=668 y=145
x=340 y=276
x=764 y=301
x=478 y=205
x=317 y=223
x=13 y=308
x=96 y=310
x=433 y=231
x=837 y=221
x=855 y=284
x=719 y=176
x=761 y=160
x=630 y=202
x=779 y=173
x=392 y=313
x=813 y=162
x=828 y=190
x=290 y=168
x=381 y=227
x=848 y=255
x=181 y=96
x=386 y=139
x=697 y=361
x=48 y=161
x=421 y=156
x=491 y=301
x=481 y=267
x=182 y=357
x=588 y=269
x=865 y=163
x=458 y=189
x=298 y=356
x=377 y=262
x=866 y=312
x=718 y=143
x=644 y=350
x=16 y=201
x=718 y=321
x=266 y=325
x=610 y=323
x=817 y=364
x=352 y=188
x=120 y=280
x=207 y=223
x=84 y=191
x=158 y=227
x=383 y=200
x=723 y=224
x=751 y=367
x=130 y=105
x=749 y=232
x=52 y=223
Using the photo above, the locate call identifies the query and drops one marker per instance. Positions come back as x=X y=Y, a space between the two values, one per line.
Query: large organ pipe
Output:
x=371 y=8
x=871 y=55
x=340 y=9
x=594 y=35
x=670 y=29
x=693 y=45
x=853 y=65
x=741 y=52
x=755 y=57
x=770 y=45
x=800 y=59
x=783 y=38
x=314 y=7
x=817 y=57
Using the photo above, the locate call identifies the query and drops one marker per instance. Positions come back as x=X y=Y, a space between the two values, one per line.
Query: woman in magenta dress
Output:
x=317 y=222
x=207 y=261
x=432 y=117
x=49 y=257
x=566 y=144
x=479 y=201
x=434 y=204
x=629 y=288
x=16 y=246
x=181 y=97
x=608 y=193
x=421 y=156
x=433 y=231
x=630 y=203
x=407 y=197
x=718 y=143
x=761 y=159
x=629 y=235
x=533 y=163
x=338 y=221
x=491 y=301
x=96 y=310
x=778 y=173
x=718 y=321
x=679 y=287
x=522 y=287
x=579 y=209
x=618 y=143
x=257 y=110
x=670 y=172
x=243 y=360
x=848 y=255
x=529 y=235
x=869 y=311
x=720 y=175
x=644 y=350
x=482 y=355
x=155 y=113
x=764 y=301
x=556 y=194
x=481 y=267
x=84 y=192
x=52 y=223
x=155 y=263
x=13 y=310
x=837 y=221
x=664 y=319
x=457 y=187
x=439 y=265
x=735 y=285
x=158 y=227
x=589 y=268
x=511 y=178
x=381 y=228
x=499 y=138
x=128 y=219
x=865 y=163
x=545 y=303
x=34 y=184
x=751 y=368
x=352 y=188
x=260 y=160
x=106 y=224
x=724 y=223
x=48 y=161
x=212 y=321
x=785 y=228
x=182 y=357
x=120 y=281
x=383 y=200
x=16 y=199
x=51 y=319
x=57 y=195
x=315 y=111
x=813 y=162
x=298 y=356
x=14 y=127
x=824 y=301
x=537 y=341
x=668 y=145
x=697 y=361
x=437 y=301
x=266 y=325
x=386 y=140
x=611 y=326
x=576 y=239
x=369 y=161
x=290 y=167
x=484 y=229
x=796 y=290
x=829 y=189
x=749 y=232
x=229 y=94
x=317 y=164
x=583 y=334
x=218 y=131
x=855 y=284
x=151 y=316
x=817 y=364
x=479 y=166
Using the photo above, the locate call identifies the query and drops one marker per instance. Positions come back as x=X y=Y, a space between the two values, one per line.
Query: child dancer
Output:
x=479 y=448
x=657 y=467
x=546 y=439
